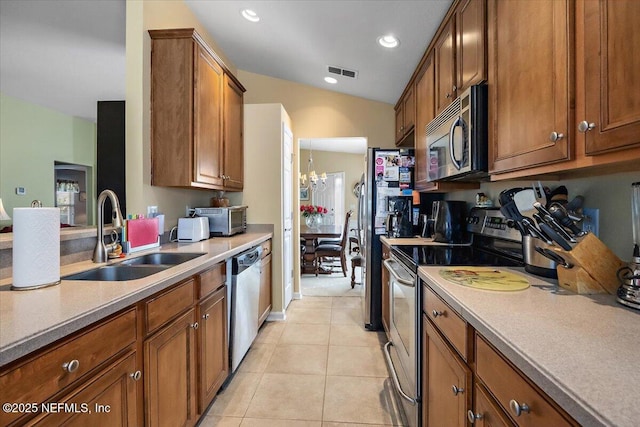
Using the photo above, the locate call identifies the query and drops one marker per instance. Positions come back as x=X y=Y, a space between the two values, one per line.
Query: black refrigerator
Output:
x=388 y=178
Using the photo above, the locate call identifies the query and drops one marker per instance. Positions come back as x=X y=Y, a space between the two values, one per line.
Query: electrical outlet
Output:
x=591 y=221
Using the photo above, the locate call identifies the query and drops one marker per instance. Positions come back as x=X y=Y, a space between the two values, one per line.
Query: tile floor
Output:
x=319 y=368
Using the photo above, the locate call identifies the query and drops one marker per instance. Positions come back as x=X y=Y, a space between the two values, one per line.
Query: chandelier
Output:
x=316 y=182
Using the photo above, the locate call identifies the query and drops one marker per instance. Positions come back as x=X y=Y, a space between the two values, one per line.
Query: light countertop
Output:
x=31 y=319
x=582 y=350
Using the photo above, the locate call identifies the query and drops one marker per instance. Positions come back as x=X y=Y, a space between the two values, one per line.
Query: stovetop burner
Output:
x=494 y=245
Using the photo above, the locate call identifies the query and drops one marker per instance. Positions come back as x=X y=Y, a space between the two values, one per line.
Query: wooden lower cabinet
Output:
x=485 y=412
x=264 y=301
x=109 y=399
x=170 y=373
x=213 y=349
x=446 y=382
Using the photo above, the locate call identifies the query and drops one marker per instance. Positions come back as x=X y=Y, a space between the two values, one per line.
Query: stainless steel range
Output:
x=494 y=243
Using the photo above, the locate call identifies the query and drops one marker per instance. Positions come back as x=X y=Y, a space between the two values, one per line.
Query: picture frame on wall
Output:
x=304 y=194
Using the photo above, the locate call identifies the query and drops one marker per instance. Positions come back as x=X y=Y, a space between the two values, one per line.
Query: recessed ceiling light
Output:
x=388 y=41
x=250 y=15
x=330 y=80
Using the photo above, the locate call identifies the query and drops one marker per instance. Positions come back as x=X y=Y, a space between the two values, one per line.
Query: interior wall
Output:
x=611 y=194
x=32 y=138
x=141 y=17
x=320 y=113
x=353 y=166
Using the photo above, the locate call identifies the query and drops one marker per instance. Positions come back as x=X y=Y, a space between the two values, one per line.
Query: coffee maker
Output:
x=400 y=217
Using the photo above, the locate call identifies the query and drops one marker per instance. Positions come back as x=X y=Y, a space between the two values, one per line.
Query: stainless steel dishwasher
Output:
x=245 y=292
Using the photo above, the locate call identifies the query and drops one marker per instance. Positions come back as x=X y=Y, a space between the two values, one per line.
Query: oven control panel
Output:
x=491 y=222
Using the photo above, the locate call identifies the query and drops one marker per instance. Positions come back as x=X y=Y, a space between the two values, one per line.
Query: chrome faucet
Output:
x=100 y=251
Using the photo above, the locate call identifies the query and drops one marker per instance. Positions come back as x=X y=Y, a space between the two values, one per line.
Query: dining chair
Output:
x=331 y=250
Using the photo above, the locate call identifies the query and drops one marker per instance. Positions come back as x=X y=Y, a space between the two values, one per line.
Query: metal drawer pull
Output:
x=473 y=417
x=585 y=126
x=518 y=408
x=205 y=316
x=436 y=313
x=136 y=375
x=394 y=376
x=71 y=366
x=194 y=325
x=457 y=390
x=555 y=136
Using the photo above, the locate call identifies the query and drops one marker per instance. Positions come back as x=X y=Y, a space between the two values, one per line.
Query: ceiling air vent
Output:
x=342 y=72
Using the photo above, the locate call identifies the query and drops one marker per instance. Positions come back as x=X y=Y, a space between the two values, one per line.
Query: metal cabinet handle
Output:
x=448 y=95
x=457 y=390
x=194 y=325
x=555 y=136
x=454 y=88
x=71 y=366
x=584 y=126
x=205 y=316
x=136 y=376
x=473 y=417
x=518 y=408
x=436 y=313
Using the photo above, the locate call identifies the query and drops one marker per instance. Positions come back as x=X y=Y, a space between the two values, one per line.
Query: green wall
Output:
x=32 y=138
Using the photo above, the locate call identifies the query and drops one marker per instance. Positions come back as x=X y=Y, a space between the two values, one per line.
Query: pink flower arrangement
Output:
x=309 y=210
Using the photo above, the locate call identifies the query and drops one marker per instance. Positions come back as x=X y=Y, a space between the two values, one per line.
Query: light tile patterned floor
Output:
x=320 y=368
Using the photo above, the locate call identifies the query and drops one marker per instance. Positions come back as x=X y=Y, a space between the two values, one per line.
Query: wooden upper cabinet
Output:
x=530 y=83
x=233 y=160
x=612 y=75
x=425 y=112
x=207 y=119
x=471 y=43
x=196 y=115
x=405 y=115
x=445 y=63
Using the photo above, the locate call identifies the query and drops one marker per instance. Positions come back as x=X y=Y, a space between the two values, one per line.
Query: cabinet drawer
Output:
x=266 y=248
x=450 y=324
x=159 y=310
x=46 y=373
x=212 y=279
x=507 y=385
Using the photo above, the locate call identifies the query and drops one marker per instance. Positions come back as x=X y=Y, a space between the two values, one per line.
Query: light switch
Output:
x=21 y=191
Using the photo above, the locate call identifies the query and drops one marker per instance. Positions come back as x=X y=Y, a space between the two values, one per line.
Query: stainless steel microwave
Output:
x=225 y=221
x=457 y=140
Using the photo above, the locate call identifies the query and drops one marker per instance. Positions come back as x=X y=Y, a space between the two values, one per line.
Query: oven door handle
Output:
x=394 y=376
x=387 y=264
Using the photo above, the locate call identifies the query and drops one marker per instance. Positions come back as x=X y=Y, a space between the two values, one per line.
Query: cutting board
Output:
x=488 y=278
x=142 y=232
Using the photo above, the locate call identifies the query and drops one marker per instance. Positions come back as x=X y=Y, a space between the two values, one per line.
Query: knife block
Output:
x=594 y=267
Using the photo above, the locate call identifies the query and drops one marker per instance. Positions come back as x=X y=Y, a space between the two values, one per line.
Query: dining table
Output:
x=311 y=236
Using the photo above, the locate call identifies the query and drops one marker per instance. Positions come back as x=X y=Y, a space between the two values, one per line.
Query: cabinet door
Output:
x=425 y=112
x=169 y=360
x=207 y=131
x=445 y=62
x=214 y=350
x=264 y=302
x=409 y=109
x=400 y=122
x=233 y=161
x=529 y=83
x=485 y=412
x=111 y=396
x=471 y=36
x=611 y=71
x=447 y=384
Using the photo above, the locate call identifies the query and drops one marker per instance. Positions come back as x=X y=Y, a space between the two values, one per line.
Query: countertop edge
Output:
x=576 y=407
x=20 y=348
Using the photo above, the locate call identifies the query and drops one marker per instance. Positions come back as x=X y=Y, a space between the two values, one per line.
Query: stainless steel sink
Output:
x=116 y=273
x=162 y=258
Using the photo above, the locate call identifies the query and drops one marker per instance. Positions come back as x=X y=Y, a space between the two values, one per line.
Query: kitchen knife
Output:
x=551 y=221
x=549 y=231
x=560 y=214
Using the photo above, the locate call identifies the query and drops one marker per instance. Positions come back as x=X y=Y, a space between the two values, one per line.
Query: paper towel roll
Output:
x=36 y=247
